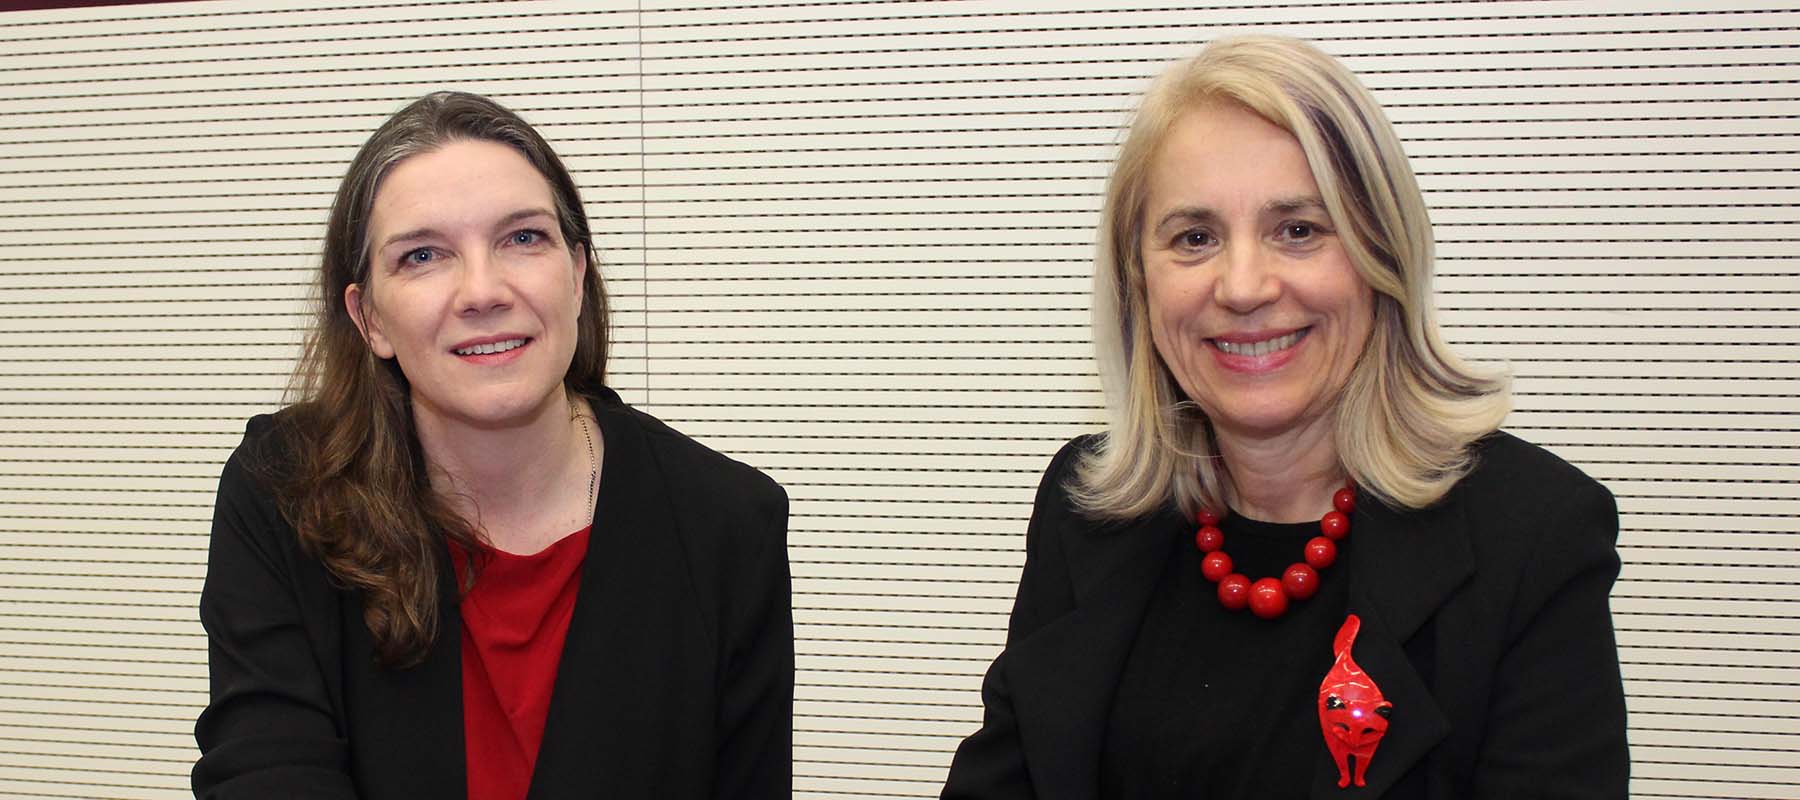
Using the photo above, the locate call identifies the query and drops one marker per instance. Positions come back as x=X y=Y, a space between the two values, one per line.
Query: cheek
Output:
x=1355 y=323
x=1156 y=295
x=571 y=309
x=1178 y=356
x=371 y=311
x=1171 y=307
x=1366 y=315
x=1342 y=294
x=1158 y=314
x=407 y=328
x=1359 y=316
x=572 y=288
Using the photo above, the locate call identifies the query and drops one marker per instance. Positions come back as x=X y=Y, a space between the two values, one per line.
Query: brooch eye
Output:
x=1385 y=711
x=1333 y=702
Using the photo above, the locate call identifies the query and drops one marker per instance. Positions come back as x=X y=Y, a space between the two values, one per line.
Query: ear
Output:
x=581 y=268
x=367 y=322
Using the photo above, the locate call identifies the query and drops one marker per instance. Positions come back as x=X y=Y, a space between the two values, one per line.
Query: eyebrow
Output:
x=417 y=234
x=1292 y=204
x=1280 y=205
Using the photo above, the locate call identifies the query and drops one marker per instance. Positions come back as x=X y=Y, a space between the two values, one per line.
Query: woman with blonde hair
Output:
x=1302 y=560
x=460 y=565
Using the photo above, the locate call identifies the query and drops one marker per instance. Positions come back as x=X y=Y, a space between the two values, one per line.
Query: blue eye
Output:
x=422 y=255
x=528 y=237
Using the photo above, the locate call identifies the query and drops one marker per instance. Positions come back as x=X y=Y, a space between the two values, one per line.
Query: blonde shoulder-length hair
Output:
x=1411 y=408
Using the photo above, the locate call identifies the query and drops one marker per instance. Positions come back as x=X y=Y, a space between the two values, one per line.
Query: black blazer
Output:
x=676 y=679
x=1485 y=619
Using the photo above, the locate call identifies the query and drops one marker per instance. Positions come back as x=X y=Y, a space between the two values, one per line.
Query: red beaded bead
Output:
x=1334 y=525
x=1215 y=566
x=1267 y=599
x=1300 y=581
x=1209 y=539
x=1234 y=591
x=1320 y=552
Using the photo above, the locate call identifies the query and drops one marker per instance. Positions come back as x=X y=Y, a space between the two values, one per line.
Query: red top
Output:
x=514 y=623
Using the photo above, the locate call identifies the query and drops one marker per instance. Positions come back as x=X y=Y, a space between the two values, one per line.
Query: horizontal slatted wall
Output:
x=165 y=173
x=849 y=244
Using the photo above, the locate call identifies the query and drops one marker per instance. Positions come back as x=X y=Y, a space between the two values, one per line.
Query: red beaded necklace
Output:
x=1268 y=598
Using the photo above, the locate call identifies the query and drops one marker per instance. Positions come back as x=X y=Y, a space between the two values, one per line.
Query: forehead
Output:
x=462 y=182
x=1220 y=154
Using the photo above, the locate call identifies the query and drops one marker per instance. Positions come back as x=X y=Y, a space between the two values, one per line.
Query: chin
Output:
x=491 y=411
x=1262 y=421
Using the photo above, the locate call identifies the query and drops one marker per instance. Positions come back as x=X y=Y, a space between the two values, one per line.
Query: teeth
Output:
x=1263 y=347
x=490 y=347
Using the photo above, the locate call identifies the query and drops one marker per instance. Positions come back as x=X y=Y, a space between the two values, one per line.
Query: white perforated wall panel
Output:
x=849 y=243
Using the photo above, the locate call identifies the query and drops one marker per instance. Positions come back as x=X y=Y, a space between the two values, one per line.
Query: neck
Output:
x=1282 y=477
x=503 y=478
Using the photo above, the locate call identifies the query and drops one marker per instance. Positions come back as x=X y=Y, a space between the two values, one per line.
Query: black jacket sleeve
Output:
x=1556 y=724
x=269 y=730
x=756 y=704
x=990 y=764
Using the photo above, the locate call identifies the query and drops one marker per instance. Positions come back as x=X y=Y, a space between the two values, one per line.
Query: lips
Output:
x=1240 y=346
x=490 y=347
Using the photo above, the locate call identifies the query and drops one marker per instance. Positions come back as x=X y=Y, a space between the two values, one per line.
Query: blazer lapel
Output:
x=1063 y=675
x=627 y=631
x=1403 y=568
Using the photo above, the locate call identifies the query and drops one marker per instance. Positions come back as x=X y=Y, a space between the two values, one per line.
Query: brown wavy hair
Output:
x=353 y=481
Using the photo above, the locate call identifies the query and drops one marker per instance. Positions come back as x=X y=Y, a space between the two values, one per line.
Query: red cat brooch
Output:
x=1352 y=711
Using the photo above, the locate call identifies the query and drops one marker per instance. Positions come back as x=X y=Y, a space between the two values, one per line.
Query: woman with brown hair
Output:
x=460 y=565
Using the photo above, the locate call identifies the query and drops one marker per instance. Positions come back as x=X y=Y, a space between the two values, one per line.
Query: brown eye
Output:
x=1298 y=231
x=1195 y=240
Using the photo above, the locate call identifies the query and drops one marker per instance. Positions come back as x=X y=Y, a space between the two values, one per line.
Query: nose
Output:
x=482 y=286
x=1246 y=280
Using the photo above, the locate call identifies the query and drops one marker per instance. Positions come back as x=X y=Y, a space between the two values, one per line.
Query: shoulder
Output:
x=1069 y=553
x=1057 y=521
x=262 y=443
x=1060 y=477
x=1513 y=479
x=248 y=479
x=1054 y=500
x=1505 y=463
x=728 y=518
x=697 y=470
x=250 y=533
x=1529 y=508
x=250 y=502
x=727 y=513
x=1068 y=458
x=262 y=462
x=266 y=453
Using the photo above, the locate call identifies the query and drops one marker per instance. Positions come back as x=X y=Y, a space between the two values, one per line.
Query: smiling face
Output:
x=470 y=287
x=1254 y=306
